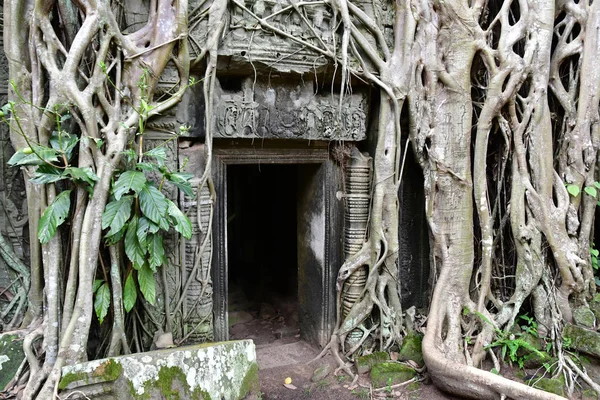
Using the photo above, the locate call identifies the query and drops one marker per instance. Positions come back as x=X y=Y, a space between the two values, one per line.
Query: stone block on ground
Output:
x=411 y=348
x=364 y=363
x=226 y=370
x=390 y=373
x=556 y=386
x=584 y=316
x=11 y=357
x=584 y=340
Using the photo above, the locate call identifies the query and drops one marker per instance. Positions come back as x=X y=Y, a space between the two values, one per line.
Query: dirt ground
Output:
x=273 y=326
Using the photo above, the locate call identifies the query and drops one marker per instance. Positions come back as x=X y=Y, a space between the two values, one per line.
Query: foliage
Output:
x=510 y=343
x=137 y=213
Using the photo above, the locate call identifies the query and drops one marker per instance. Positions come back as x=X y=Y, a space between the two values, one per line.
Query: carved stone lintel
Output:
x=289 y=110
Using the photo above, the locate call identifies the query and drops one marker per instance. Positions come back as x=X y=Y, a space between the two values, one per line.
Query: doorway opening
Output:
x=262 y=251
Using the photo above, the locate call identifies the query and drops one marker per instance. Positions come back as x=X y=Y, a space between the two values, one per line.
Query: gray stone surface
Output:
x=226 y=370
x=287 y=354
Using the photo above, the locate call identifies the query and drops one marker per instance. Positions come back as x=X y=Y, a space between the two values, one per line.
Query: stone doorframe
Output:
x=328 y=182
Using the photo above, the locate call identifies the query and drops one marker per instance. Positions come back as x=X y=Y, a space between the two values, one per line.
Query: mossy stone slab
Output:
x=365 y=363
x=584 y=340
x=411 y=348
x=226 y=370
x=390 y=373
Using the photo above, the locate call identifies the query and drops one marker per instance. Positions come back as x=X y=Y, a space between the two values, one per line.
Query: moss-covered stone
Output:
x=595 y=307
x=584 y=316
x=71 y=377
x=556 y=386
x=11 y=357
x=204 y=372
x=411 y=348
x=172 y=385
x=365 y=363
x=390 y=373
x=533 y=359
x=250 y=384
x=583 y=340
x=109 y=371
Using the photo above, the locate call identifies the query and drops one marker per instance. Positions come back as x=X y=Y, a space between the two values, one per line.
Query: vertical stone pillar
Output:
x=357 y=199
x=196 y=253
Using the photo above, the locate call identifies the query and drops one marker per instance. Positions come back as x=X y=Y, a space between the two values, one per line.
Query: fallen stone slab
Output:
x=390 y=373
x=584 y=340
x=226 y=370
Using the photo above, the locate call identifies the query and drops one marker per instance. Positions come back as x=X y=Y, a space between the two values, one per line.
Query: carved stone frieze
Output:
x=289 y=111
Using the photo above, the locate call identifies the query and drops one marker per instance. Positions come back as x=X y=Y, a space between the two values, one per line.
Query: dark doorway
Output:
x=277 y=233
x=262 y=230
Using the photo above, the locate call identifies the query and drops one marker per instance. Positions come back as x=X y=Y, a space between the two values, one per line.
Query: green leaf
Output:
x=594 y=252
x=181 y=180
x=147 y=167
x=129 y=154
x=54 y=215
x=116 y=214
x=597 y=185
x=129 y=292
x=156 y=251
x=159 y=154
x=47 y=174
x=494 y=371
x=133 y=250
x=147 y=284
x=142 y=230
x=181 y=222
x=102 y=302
x=63 y=142
x=129 y=180
x=40 y=155
x=97 y=284
x=153 y=203
x=573 y=190
x=84 y=174
x=591 y=191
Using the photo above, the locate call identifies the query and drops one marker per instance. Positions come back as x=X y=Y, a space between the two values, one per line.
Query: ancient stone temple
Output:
x=291 y=177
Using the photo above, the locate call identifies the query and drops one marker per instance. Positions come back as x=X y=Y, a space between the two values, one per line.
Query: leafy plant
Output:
x=510 y=343
x=531 y=326
x=137 y=211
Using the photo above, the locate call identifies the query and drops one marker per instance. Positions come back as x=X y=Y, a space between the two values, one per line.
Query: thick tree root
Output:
x=472 y=382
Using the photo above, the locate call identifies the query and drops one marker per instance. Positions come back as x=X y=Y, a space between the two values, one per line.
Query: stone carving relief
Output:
x=289 y=111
